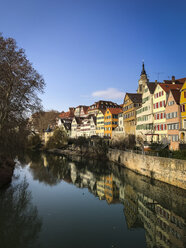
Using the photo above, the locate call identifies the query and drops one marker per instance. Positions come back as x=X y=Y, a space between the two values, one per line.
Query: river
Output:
x=55 y=202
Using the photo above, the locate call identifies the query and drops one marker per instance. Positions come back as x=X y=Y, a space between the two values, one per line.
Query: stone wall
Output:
x=171 y=171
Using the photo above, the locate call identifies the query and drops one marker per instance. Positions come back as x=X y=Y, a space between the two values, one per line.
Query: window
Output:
x=184 y=94
x=175 y=138
x=184 y=124
x=171 y=103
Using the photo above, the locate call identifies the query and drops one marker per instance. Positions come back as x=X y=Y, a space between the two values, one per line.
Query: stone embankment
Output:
x=171 y=171
x=6 y=171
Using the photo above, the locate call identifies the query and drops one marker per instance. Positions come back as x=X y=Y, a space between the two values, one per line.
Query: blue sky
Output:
x=88 y=50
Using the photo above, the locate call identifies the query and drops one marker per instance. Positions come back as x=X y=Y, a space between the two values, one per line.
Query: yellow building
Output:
x=111 y=120
x=132 y=102
x=183 y=113
x=101 y=188
x=100 y=123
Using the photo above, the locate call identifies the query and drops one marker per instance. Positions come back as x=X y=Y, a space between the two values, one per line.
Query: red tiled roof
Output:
x=68 y=114
x=115 y=110
x=177 y=81
x=182 y=80
x=103 y=104
x=176 y=95
x=168 y=87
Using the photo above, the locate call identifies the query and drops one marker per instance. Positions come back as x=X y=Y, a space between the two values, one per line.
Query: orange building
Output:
x=111 y=120
x=111 y=190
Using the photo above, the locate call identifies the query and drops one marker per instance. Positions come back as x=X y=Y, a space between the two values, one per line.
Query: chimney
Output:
x=173 y=78
x=156 y=81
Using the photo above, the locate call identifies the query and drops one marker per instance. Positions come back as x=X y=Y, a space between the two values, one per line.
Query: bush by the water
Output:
x=34 y=141
x=58 y=140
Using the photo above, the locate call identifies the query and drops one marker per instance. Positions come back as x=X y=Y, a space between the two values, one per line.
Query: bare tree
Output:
x=39 y=121
x=19 y=85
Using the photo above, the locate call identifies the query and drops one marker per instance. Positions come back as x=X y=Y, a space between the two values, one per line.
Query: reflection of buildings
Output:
x=101 y=188
x=111 y=190
x=163 y=227
x=170 y=229
x=146 y=208
x=131 y=207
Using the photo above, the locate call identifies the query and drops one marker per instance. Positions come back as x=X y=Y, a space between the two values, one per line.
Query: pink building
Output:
x=173 y=119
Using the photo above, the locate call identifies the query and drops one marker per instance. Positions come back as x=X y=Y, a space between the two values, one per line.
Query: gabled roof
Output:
x=182 y=80
x=68 y=114
x=151 y=86
x=135 y=97
x=176 y=95
x=115 y=110
x=102 y=110
x=79 y=119
x=103 y=104
x=168 y=87
x=176 y=81
x=67 y=126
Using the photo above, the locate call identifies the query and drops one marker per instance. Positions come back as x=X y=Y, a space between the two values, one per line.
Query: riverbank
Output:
x=84 y=152
x=6 y=171
x=167 y=170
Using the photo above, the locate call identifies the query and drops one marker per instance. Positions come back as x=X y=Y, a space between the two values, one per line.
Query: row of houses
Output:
x=156 y=112
x=100 y=119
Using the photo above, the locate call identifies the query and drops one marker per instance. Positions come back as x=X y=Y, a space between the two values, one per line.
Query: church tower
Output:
x=143 y=80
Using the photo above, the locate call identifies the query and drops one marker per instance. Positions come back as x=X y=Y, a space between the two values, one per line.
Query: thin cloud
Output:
x=109 y=94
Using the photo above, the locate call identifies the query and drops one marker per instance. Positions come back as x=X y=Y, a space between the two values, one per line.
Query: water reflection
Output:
x=154 y=206
x=19 y=221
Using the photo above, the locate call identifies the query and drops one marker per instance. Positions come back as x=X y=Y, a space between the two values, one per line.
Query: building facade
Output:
x=81 y=111
x=111 y=120
x=159 y=102
x=144 y=115
x=173 y=119
x=183 y=114
x=132 y=102
x=100 y=131
x=119 y=132
x=101 y=105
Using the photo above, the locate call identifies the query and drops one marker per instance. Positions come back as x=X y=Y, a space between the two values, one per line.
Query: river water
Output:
x=54 y=202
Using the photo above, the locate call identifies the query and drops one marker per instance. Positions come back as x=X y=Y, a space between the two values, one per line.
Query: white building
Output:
x=144 y=115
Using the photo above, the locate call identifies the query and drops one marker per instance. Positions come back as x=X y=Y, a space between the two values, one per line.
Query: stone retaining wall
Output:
x=171 y=171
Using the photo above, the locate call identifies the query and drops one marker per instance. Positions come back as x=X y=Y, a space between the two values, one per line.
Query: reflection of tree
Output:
x=19 y=221
x=49 y=169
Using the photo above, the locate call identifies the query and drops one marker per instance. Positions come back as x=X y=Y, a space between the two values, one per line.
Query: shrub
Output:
x=58 y=140
x=34 y=141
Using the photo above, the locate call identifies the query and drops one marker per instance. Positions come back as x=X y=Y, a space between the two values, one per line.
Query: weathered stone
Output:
x=171 y=171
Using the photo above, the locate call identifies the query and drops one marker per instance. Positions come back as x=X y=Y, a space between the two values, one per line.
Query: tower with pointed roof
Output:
x=143 y=80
